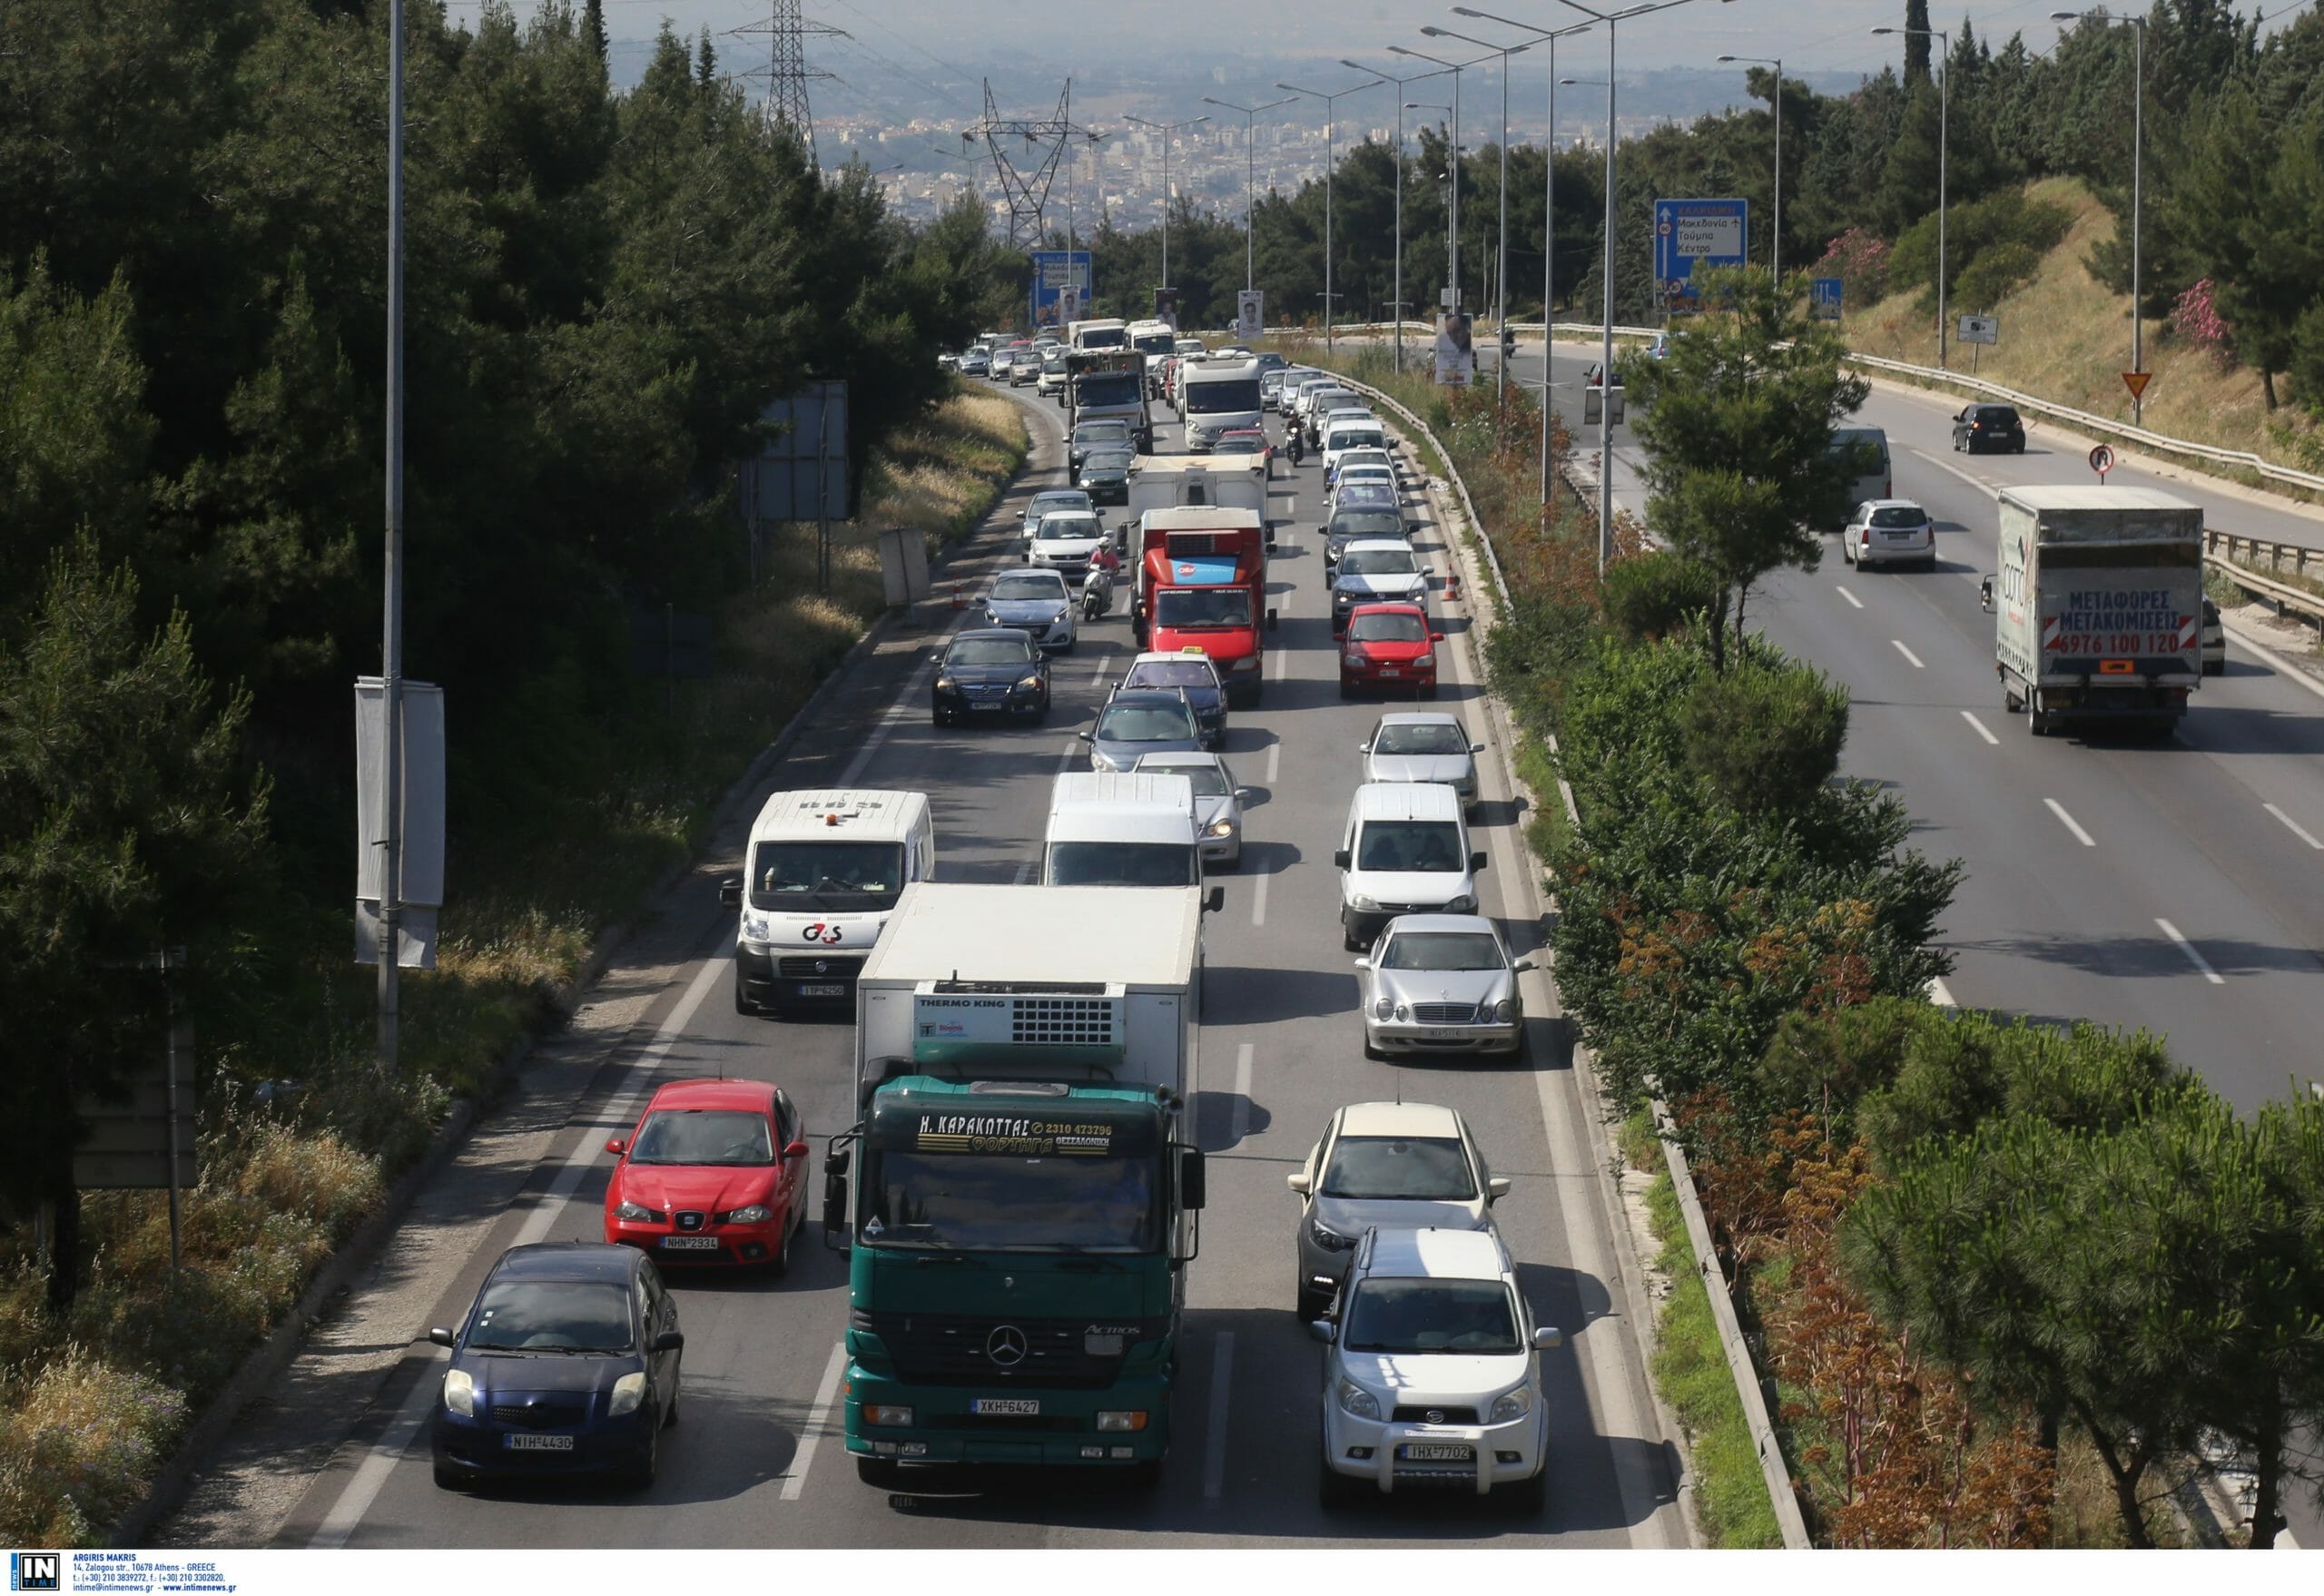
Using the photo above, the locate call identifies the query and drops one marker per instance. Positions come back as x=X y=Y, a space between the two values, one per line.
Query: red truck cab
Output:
x=1202 y=585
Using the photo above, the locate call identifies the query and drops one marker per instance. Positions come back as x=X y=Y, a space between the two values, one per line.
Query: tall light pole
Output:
x=1606 y=360
x=1452 y=260
x=391 y=580
x=1401 y=108
x=1775 y=234
x=1249 y=111
x=1330 y=112
x=1165 y=130
x=2138 y=163
x=1943 y=118
x=1501 y=267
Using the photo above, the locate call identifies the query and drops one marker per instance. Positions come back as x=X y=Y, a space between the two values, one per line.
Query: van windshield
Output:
x=1409 y=844
x=815 y=872
x=1123 y=864
x=1212 y=398
x=1154 y=343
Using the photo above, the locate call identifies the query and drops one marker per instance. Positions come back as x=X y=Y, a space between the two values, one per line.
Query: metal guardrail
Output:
x=2235 y=547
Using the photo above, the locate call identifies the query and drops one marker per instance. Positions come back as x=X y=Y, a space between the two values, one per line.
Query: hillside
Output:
x=2064 y=335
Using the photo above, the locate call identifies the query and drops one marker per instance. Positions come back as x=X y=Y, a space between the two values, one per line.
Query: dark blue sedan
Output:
x=567 y=1363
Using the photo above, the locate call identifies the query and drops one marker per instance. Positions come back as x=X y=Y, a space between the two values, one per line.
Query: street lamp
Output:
x=1331 y=110
x=1402 y=107
x=1452 y=258
x=1501 y=267
x=2137 y=161
x=1606 y=366
x=1165 y=130
x=1944 y=116
x=1249 y=111
x=1775 y=234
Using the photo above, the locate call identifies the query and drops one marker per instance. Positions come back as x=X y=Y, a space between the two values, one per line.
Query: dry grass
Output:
x=80 y=1439
x=2067 y=338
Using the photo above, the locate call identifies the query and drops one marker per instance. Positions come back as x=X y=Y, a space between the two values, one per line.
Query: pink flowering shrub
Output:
x=1861 y=260
x=2195 y=317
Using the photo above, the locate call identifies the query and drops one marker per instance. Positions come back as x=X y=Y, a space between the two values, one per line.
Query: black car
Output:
x=567 y=1363
x=992 y=669
x=1195 y=676
x=1099 y=434
x=1989 y=427
x=1346 y=526
x=1105 y=473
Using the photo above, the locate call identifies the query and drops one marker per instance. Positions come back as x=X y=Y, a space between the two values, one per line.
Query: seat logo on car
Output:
x=1007 y=1346
x=820 y=932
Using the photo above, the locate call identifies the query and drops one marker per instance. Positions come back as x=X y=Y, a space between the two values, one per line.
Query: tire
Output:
x=1347 y=689
x=878 y=1472
x=2037 y=725
x=1307 y=1304
x=1145 y=1474
x=937 y=717
x=1429 y=691
x=780 y=1265
x=670 y=1414
x=1348 y=939
x=648 y=1467
x=742 y=1004
x=1070 y=644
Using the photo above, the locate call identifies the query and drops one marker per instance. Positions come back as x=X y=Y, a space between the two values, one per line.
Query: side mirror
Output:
x=670 y=1341
x=1496 y=1188
x=1522 y=965
x=1364 y=963
x=1437 y=636
x=440 y=1336
x=1297 y=1181
x=1214 y=900
x=1548 y=1338
x=1320 y=1330
x=1476 y=862
x=1242 y=795
x=1476 y=748
x=834 y=1205
x=1192 y=1187
x=617 y=1146
x=1085 y=737
x=1340 y=859
x=797 y=1149
x=730 y=892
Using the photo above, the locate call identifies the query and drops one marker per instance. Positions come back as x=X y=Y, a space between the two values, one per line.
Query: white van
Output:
x=820 y=871
x=1157 y=343
x=1121 y=829
x=1343 y=432
x=1218 y=394
x=1404 y=850
x=1873 y=475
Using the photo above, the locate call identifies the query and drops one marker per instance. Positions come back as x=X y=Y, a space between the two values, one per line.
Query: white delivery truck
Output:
x=820 y=871
x=1218 y=393
x=2097 y=604
x=1121 y=829
x=1097 y=332
x=1155 y=340
x=1163 y=482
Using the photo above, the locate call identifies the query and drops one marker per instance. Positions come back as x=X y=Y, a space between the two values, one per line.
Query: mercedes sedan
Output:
x=1440 y=983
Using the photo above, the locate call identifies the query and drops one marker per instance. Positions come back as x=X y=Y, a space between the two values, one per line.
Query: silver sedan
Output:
x=1218 y=803
x=1440 y=983
x=1421 y=745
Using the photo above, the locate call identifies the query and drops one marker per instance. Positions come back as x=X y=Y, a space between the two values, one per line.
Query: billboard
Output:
x=1250 y=314
x=1165 y=307
x=1456 y=355
x=1054 y=270
x=1692 y=233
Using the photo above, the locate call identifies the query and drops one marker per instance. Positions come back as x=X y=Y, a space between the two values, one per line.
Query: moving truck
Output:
x=1218 y=393
x=1024 y=1061
x=1235 y=482
x=820 y=871
x=1096 y=332
x=2097 y=604
x=1202 y=585
x=1108 y=383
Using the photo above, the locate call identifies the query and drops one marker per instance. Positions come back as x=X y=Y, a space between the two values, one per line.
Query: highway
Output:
x=338 y=1455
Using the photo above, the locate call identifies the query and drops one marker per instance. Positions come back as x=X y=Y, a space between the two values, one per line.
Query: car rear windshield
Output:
x=1898 y=516
x=818 y=873
x=989 y=651
x=1367 y=524
x=1367 y=438
x=704 y=1136
x=1044 y=585
x=1387 y=628
x=1409 y=844
x=1468 y=1317
x=1441 y=950
x=1421 y=737
x=1173 y=672
x=553 y=1315
x=1193 y=608
x=1122 y=865
x=1378 y=562
x=1145 y=723
x=1996 y=416
x=1414 y=1168
x=1239 y=442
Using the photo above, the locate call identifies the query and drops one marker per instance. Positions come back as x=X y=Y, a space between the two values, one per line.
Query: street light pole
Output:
x=1331 y=111
x=2138 y=165
x=1944 y=119
x=1165 y=130
x=1249 y=112
x=1501 y=268
x=1775 y=234
x=1402 y=107
x=391 y=574
x=1456 y=68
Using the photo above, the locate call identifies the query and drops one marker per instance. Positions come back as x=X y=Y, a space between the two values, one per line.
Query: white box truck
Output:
x=2098 y=606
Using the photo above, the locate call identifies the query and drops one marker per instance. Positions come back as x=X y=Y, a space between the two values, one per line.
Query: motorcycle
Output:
x=1097 y=587
x=1297 y=445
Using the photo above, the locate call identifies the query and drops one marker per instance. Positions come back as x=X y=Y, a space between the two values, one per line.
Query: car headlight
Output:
x=1402 y=1012
x=749 y=1214
x=460 y=1393
x=1355 y=656
x=756 y=927
x=1024 y=684
x=947 y=685
x=1056 y=618
x=1504 y=1012
x=1386 y=1009
x=1358 y=1402
x=1330 y=1240
x=1511 y=1404
x=633 y=1211
x=1222 y=828
x=628 y=1392
x=1367 y=904
x=1463 y=904
x=1426 y=659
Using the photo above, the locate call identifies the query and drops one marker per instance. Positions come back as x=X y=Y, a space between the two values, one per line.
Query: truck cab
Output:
x=1109 y=384
x=1202 y=584
x=820 y=871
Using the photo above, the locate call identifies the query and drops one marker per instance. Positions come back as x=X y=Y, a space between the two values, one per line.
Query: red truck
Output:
x=1201 y=583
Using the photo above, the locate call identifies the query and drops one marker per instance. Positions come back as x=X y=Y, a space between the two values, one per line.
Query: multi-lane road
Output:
x=340 y=1456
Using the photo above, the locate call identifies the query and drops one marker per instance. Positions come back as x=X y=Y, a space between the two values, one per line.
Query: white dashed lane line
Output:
x=2069 y=821
x=2292 y=825
x=1851 y=598
x=1910 y=658
x=1979 y=727
x=2188 y=948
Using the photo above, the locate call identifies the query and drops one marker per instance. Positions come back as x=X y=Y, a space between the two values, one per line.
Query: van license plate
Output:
x=538 y=1443
x=824 y=988
x=1015 y=1407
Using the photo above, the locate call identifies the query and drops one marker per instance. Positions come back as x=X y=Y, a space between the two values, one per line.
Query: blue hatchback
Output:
x=567 y=1363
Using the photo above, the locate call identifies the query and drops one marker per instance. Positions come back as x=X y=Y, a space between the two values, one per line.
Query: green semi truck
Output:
x=1020 y=1198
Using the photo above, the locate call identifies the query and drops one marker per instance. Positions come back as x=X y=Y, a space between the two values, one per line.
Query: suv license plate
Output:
x=690 y=1244
x=1417 y=1453
x=537 y=1443
x=1019 y=1408
x=824 y=988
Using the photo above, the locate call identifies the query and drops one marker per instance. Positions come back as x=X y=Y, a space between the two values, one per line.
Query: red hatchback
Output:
x=715 y=1173
x=1389 y=645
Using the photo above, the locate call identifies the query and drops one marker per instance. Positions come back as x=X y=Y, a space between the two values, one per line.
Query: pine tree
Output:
x=593 y=28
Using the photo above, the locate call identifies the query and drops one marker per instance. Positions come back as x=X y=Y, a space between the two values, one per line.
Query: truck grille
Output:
x=963 y=1349
x=1446 y=1013
x=818 y=967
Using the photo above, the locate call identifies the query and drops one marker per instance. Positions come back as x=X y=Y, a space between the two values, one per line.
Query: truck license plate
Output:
x=538 y=1443
x=824 y=988
x=690 y=1244
x=1418 y=1452
x=1015 y=1407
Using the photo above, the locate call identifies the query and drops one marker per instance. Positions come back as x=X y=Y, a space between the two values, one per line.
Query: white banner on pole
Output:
x=1250 y=313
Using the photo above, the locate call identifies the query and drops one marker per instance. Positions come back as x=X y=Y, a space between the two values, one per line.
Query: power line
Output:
x=787 y=71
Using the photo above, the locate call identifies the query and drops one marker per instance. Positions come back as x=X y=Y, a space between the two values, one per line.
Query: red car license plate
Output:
x=690 y=1244
x=1390 y=671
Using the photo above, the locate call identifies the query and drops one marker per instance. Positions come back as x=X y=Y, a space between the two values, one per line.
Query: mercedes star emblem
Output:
x=1007 y=1346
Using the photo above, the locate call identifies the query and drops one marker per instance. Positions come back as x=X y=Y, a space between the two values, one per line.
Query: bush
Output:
x=1996 y=274
x=80 y=1448
x=1826 y=1063
x=1765 y=738
x=2008 y=218
x=1860 y=260
x=1656 y=594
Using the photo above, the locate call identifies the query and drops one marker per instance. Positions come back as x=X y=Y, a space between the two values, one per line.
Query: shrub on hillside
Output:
x=1828 y=1062
x=1764 y=738
x=80 y=1448
x=1861 y=260
x=1654 y=594
x=2004 y=218
x=1996 y=274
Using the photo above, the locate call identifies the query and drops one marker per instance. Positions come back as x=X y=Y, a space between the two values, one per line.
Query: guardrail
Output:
x=2287 y=598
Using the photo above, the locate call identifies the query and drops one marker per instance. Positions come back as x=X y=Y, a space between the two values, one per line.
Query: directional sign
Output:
x=1054 y=272
x=1823 y=297
x=2102 y=460
x=1687 y=231
x=1979 y=329
x=2136 y=382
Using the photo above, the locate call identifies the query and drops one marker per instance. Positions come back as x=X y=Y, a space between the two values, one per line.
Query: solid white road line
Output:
x=2066 y=820
x=905 y=700
x=2295 y=827
x=2188 y=948
x=2289 y=671
x=1979 y=727
x=818 y=1419
x=1239 y=1122
x=1940 y=994
x=1851 y=598
x=1275 y=760
x=1914 y=659
x=1259 y=902
x=1214 y=1448
x=371 y=1474
x=1990 y=492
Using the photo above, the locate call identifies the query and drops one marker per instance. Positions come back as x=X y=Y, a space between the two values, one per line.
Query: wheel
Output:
x=648 y=1467
x=938 y=717
x=1530 y=1495
x=2011 y=703
x=1144 y=1475
x=1347 y=688
x=1070 y=643
x=1348 y=939
x=742 y=1004
x=1428 y=690
x=1372 y=1051
x=2037 y=725
x=670 y=1414
x=878 y=1471
x=780 y=1265
x=1311 y=1304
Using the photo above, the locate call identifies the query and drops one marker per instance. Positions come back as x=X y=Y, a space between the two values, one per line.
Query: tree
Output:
x=1737 y=425
x=1919 y=48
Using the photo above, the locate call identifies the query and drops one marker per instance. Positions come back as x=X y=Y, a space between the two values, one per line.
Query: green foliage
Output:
x=1996 y=274
x=1657 y=593
x=1762 y=738
x=1991 y=246
x=1826 y=1063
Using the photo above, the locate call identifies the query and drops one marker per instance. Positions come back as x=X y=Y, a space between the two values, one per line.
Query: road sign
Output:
x=1055 y=270
x=1979 y=329
x=2136 y=382
x=2102 y=460
x=1692 y=233
x=1823 y=297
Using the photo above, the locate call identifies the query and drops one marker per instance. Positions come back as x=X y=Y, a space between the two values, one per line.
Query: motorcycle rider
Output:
x=1097 y=587
x=1297 y=445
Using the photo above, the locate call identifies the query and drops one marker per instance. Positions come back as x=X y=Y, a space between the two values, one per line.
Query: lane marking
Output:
x=1851 y=598
x=1098 y=677
x=371 y=1474
x=1275 y=760
x=818 y=1417
x=1940 y=994
x=1074 y=751
x=1980 y=728
x=1214 y=1447
x=1239 y=1122
x=2188 y=948
x=888 y=723
x=2059 y=810
x=2296 y=828
x=1992 y=493
x=1914 y=659
x=2289 y=673
x=1282 y=656
x=1259 y=902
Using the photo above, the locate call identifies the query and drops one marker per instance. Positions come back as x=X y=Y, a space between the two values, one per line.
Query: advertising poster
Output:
x=1165 y=307
x=1456 y=357
x=1056 y=271
x=1250 y=314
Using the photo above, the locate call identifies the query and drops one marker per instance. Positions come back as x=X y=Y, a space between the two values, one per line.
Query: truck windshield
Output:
x=990 y=1203
x=813 y=872
x=1100 y=338
x=1109 y=388
x=1155 y=343
x=1210 y=398
x=1187 y=609
x=1122 y=865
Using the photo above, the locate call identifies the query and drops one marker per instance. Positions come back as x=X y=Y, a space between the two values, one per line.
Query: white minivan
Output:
x=820 y=871
x=1404 y=850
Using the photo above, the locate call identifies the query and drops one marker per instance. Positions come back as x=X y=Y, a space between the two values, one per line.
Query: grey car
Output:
x=1398 y=1165
x=1421 y=746
x=1440 y=983
x=1037 y=602
x=1105 y=472
x=1218 y=803
x=1140 y=722
x=1042 y=504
